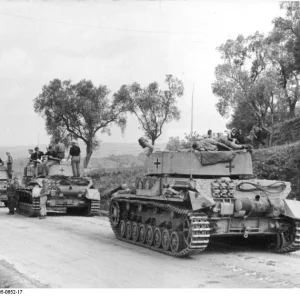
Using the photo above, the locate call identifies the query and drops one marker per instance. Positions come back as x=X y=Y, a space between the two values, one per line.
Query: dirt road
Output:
x=71 y=252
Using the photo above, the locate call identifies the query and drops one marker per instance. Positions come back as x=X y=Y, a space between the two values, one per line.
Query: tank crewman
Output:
x=52 y=159
x=59 y=149
x=233 y=136
x=240 y=137
x=43 y=199
x=75 y=158
x=12 y=195
x=36 y=159
x=30 y=163
x=9 y=164
x=145 y=144
x=209 y=134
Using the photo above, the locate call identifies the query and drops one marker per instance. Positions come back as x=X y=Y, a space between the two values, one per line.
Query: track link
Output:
x=31 y=208
x=199 y=227
x=94 y=208
x=293 y=244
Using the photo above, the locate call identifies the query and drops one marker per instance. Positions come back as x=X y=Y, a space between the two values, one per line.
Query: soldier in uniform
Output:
x=9 y=164
x=12 y=194
x=43 y=199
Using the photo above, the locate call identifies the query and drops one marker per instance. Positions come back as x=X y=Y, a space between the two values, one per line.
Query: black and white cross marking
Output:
x=230 y=167
x=61 y=170
x=157 y=163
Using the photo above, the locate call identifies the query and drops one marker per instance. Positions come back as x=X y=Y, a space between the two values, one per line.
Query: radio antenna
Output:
x=192 y=121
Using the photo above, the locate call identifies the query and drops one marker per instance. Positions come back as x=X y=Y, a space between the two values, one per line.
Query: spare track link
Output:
x=294 y=245
x=28 y=209
x=94 y=208
x=200 y=235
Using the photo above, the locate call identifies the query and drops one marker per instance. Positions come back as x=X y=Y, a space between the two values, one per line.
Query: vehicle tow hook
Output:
x=246 y=232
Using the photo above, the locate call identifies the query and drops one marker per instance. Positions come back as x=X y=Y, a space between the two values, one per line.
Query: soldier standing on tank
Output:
x=75 y=158
x=43 y=199
x=59 y=149
x=9 y=164
x=12 y=195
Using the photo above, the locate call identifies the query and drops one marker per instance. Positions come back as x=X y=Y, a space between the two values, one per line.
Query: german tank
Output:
x=67 y=194
x=3 y=184
x=188 y=198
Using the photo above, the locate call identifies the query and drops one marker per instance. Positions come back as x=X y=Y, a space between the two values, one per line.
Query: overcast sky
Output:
x=114 y=43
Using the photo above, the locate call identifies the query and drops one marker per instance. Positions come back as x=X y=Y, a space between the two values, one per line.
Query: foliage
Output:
x=175 y=143
x=259 y=74
x=79 y=111
x=279 y=163
x=152 y=106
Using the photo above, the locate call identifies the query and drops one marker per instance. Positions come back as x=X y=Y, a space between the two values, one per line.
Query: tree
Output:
x=152 y=107
x=175 y=143
x=284 y=46
x=79 y=110
x=238 y=77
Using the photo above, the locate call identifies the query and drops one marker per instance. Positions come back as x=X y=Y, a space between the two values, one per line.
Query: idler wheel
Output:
x=123 y=228
x=135 y=231
x=187 y=231
x=157 y=237
x=165 y=241
x=149 y=235
x=175 y=242
x=114 y=212
x=142 y=233
x=128 y=230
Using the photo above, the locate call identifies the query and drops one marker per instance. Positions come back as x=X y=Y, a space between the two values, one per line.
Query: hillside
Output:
x=279 y=163
x=105 y=150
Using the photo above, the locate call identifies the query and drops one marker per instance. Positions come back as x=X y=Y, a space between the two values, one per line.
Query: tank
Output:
x=187 y=199
x=67 y=194
x=3 y=184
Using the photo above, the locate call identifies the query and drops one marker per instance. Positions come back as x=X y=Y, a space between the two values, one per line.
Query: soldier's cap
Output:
x=44 y=181
x=36 y=148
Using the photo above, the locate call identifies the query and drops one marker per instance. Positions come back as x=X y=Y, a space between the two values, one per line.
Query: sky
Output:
x=114 y=43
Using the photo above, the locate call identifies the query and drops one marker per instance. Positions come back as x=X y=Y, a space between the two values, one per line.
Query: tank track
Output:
x=29 y=209
x=94 y=208
x=199 y=226
x=293 y=244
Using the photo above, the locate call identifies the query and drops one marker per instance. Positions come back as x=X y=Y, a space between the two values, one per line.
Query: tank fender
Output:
x=292 y=208
x=36 y=191
x=199 y=201
x=92 y=194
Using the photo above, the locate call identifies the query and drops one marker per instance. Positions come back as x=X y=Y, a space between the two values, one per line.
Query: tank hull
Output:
x=224 y=207
x=29 y=205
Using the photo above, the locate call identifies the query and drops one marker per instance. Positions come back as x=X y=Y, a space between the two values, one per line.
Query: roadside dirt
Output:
x=78 y=252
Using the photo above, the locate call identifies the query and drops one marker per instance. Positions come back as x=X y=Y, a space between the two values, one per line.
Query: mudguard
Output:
x=292 y=208
x=92 y=194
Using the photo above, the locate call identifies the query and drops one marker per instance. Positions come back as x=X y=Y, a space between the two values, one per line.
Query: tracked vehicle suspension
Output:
x=289 y=241
x=191 y=239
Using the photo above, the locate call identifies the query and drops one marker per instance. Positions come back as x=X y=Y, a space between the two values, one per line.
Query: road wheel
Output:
x=142 y=233
x=175 y=242
x=149 y=235
x=114 y=213
x=157 y=237
x=165 y=239
x=123 y=228
x=135 y=231
x=128 y=230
